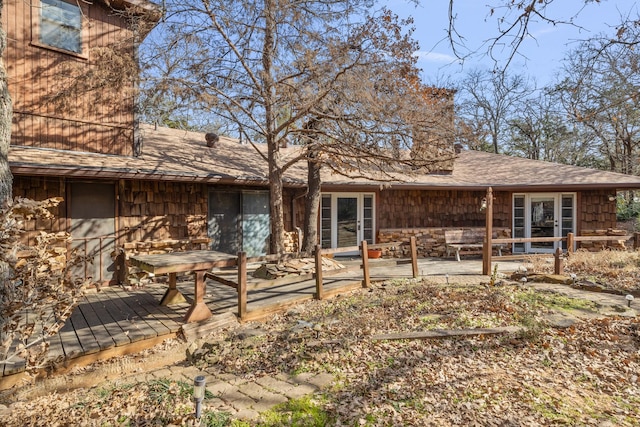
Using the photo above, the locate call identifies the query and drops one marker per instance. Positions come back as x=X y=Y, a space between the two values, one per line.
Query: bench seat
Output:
x=458 y=240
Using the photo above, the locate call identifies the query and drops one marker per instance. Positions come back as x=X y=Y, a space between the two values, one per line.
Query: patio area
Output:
x=116 y=321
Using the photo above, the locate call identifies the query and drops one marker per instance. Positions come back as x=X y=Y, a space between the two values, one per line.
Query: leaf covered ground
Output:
x=586 y=374
x=613 y=270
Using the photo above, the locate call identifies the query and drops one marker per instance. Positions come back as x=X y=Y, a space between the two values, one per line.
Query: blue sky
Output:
x=539 y=56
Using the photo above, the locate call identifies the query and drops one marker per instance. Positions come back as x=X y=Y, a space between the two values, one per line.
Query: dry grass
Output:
x=615 y=270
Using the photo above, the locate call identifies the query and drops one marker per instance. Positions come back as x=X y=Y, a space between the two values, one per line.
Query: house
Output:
x=148 y=189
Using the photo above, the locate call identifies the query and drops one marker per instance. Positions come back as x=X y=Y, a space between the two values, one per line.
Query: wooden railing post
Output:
x=636 y=240
x=242 y=285
x=570 y=243
x=366 y=281
x=487 y=246
x=414 y=256
x=558 y=267
x=319 y=288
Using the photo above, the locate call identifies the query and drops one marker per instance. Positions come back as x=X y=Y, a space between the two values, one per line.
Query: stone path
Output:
x=243 y=398
x=608 y=304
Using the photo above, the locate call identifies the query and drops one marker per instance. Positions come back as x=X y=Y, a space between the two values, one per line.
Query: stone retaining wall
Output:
x=614 y=244
x=430 y=241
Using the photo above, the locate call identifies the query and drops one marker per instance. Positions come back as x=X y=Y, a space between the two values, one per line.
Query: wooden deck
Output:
x=115 y=321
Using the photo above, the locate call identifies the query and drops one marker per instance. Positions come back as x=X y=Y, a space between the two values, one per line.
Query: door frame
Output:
x=360 y=216
x=562 y=222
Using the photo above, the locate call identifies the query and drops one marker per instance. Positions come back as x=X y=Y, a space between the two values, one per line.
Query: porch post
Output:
x=486 y=250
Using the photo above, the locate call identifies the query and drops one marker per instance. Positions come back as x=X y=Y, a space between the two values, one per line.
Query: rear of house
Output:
x=146 y=189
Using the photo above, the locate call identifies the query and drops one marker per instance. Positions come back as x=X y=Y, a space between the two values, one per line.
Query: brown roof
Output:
x=177 y=155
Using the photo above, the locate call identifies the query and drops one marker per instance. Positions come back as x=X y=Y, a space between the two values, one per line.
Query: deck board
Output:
x=84 y=334
x=137 y=302
x=71 y=346
x=145 y=328
x=97 y=324
x=104 y=308
x=121 y=313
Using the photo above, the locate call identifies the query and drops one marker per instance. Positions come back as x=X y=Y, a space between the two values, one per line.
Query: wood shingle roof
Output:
x=177 y=155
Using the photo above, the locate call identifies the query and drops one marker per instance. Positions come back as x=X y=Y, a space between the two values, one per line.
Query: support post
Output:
x=636 y=240
x=414 y=256
x=366 y=281
x=558 y=268
x=487 y=246
x=242 y=285
x=198 y=310
x=172 y=295
x=319 y=288
x=570 y=243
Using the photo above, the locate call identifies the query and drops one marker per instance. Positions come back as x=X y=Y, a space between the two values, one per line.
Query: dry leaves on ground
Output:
x=586 y=374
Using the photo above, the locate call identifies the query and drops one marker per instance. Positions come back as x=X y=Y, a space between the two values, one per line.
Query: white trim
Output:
x=360 y=197
x=557 y=217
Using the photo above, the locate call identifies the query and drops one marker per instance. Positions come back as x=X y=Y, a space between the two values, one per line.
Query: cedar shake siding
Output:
x=66 y=100
x=439 y=208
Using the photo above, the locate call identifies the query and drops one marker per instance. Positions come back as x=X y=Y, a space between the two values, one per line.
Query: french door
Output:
x=542 y=215
x=346 y=219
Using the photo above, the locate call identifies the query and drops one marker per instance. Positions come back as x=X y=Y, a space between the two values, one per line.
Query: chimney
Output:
x=211 y=139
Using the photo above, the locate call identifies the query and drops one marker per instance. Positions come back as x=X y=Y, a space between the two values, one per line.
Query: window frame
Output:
x=36 y=19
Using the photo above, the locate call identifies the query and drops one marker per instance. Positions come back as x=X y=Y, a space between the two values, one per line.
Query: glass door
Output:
x=346 y=219
x=542 y=215
x=348 y=225
x=544 y=222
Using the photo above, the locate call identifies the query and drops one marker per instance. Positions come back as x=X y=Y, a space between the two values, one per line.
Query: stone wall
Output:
x=430 y=241
x=614 y=244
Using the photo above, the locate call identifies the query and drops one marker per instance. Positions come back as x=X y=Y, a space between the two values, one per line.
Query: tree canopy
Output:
x=337 y=76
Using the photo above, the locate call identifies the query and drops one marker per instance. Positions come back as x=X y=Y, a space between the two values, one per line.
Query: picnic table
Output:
x=199 y=262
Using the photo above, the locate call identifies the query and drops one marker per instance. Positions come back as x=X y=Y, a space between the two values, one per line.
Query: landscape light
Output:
x=523 y=280
x=629 y=298
x=198 y=393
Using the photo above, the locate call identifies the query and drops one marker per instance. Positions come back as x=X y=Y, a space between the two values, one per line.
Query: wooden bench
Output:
x=465 y=239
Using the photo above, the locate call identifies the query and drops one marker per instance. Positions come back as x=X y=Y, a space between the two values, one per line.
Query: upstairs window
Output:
x=61 y=25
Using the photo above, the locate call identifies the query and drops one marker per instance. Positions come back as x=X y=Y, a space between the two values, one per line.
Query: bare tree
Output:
x=487 y=101
x=600 y=92
x=540 y=130
x=6 y=111
x=513 y=19
x=329 y=75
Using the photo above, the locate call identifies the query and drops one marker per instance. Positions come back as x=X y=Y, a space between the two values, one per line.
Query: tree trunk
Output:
x=6 y=112
x=312 y=204
x=276 y=243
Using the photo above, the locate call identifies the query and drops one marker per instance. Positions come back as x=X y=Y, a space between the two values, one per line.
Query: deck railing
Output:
x=571 y=239
x=320 y=292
